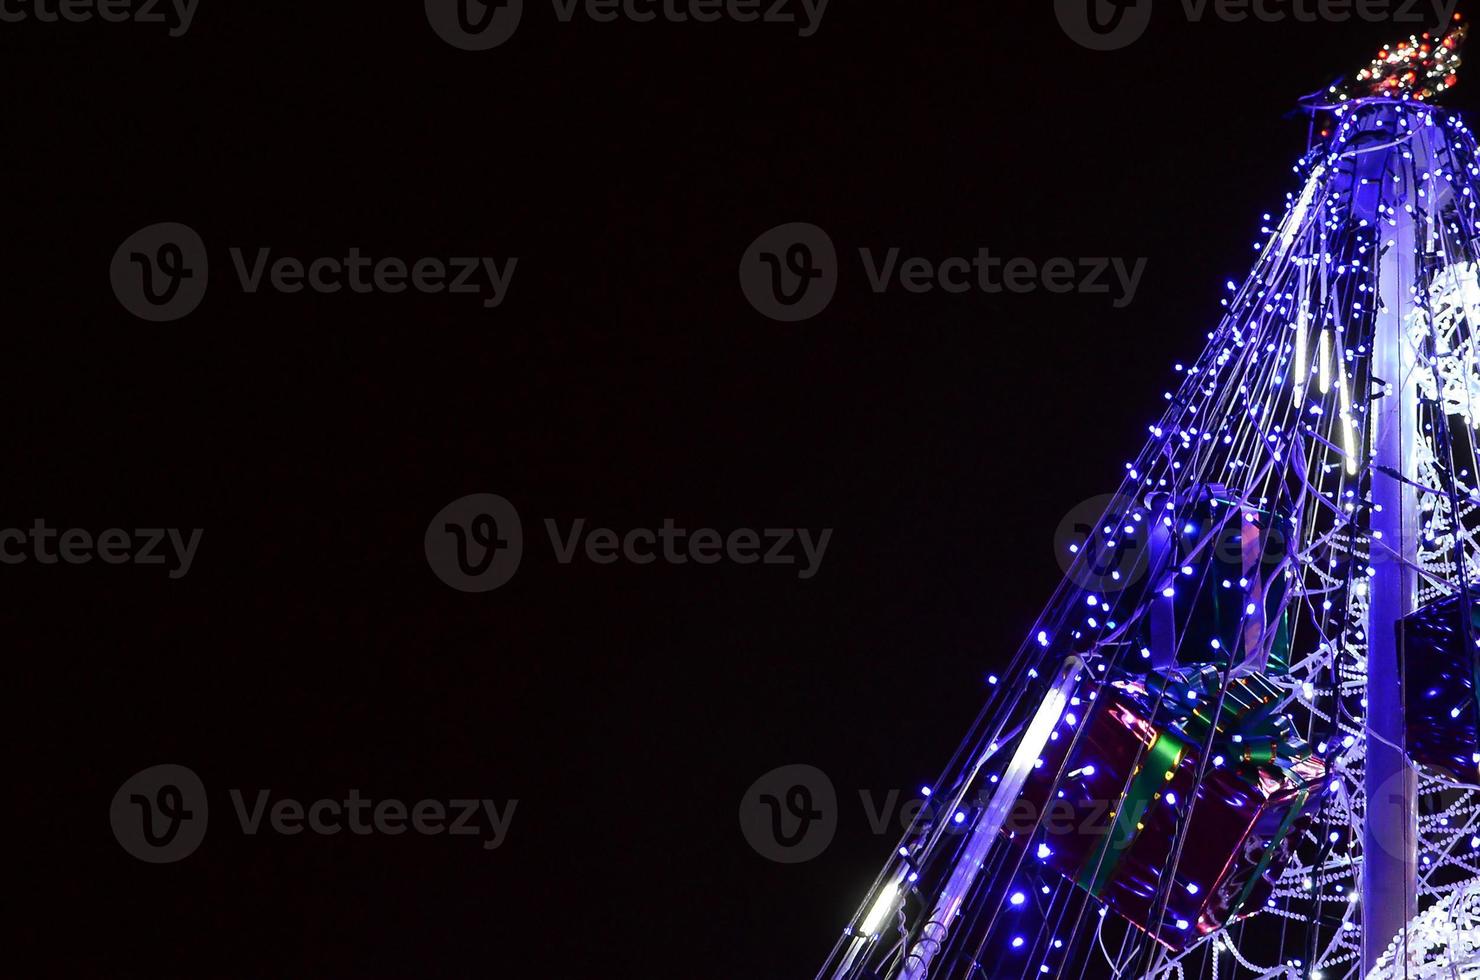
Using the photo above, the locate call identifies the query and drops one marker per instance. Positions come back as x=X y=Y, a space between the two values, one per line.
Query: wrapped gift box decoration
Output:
x=1441 y=680
x=1259 y=793
x=1219 y=585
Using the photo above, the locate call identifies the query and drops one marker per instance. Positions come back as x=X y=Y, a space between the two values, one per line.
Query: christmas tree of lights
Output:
x=1243 y=738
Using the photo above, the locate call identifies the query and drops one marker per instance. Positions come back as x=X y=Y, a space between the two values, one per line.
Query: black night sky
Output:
x=624 y=380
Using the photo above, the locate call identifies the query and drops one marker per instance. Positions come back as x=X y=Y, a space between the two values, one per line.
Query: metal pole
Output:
x=1390 y=833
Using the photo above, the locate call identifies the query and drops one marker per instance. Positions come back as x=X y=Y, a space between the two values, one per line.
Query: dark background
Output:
x=626 y=380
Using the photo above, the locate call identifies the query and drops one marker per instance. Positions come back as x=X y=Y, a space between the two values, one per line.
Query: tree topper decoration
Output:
x=1420 y=68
